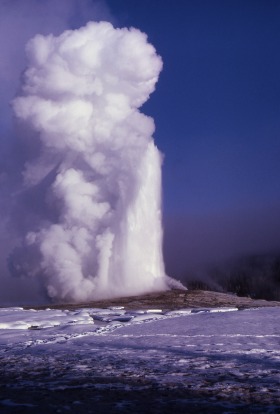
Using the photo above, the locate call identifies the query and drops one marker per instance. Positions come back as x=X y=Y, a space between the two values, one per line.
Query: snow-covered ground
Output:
x=113 y=360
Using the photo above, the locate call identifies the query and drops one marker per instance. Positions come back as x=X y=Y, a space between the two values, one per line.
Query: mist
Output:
x=197 y=247
x=81 y=175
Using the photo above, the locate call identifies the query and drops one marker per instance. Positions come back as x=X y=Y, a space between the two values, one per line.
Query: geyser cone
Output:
x=81 y=94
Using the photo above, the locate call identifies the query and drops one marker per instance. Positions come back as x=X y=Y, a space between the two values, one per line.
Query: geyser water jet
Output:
x=99 y=232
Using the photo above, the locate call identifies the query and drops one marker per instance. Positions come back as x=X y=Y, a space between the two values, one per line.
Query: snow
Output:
x=223 y=359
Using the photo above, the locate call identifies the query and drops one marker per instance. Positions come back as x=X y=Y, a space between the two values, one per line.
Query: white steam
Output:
x=101 y=235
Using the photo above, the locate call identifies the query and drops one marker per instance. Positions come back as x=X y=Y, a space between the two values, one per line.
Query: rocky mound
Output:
x=174 y=299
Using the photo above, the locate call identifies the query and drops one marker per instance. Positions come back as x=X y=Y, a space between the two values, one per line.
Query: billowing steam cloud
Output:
x=94 y=178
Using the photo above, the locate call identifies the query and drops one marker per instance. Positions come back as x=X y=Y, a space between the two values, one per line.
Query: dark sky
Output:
x=217 y=104
x=217 y=115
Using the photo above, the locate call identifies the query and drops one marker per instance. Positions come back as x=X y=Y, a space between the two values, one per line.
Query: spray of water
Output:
x=95 y=167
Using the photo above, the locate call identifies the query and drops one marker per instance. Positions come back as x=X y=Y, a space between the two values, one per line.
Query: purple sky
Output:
x=217 y=114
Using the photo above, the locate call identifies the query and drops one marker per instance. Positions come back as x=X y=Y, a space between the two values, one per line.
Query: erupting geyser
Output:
x=99 y=233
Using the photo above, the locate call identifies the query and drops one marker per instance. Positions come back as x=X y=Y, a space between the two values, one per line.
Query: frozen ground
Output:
x=141 y=361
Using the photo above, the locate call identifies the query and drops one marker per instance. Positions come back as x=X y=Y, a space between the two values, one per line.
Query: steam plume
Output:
x=95 y=172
